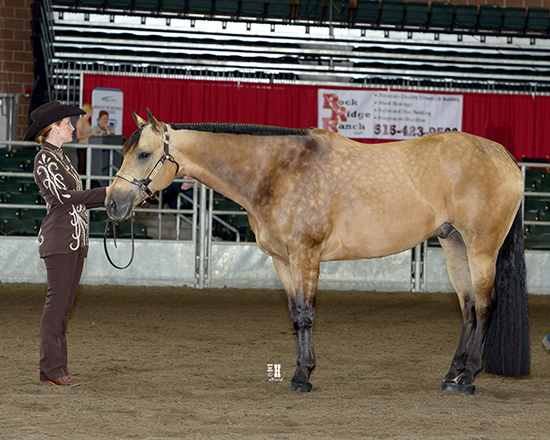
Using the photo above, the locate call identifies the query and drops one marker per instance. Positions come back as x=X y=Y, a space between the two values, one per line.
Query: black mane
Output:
x=213 y=127
x=255 y=130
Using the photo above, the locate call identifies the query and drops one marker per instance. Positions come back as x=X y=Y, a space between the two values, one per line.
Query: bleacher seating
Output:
x=280 y=41
x=359 y=12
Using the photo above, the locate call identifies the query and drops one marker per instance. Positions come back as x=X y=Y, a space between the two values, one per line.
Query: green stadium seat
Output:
x=543 y=185
x=279 y=9
x=442 y=15
x=65 y=2
x=490 y=17
x=9 y=164
x=535 y=204
x=36 y=215
x=10 y=186
x=92 y=3
x=18 y=227
x=200 y=7
x=392 y=12
x=466 y=17
x=22 y=199
x=119 y=4
x=537 y=242
x=147 y=5
x=368 y=11
x=514 y=19
x=531 y=177
x=27 y=154
x=311 y=10
x=226 y=7
x=173 y=5
x=7 y=213
x=416 y=14
x=124 y=230
x=96 y=229
x=538 y=19
x=253 y=8
x=99 y=215
x=222 y=203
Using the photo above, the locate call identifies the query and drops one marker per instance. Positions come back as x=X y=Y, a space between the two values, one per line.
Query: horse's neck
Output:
x=227 y=163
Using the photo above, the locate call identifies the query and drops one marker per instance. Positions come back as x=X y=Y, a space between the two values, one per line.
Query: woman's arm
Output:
x=50 y=178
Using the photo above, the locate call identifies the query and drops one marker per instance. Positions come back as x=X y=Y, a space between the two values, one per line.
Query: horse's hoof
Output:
x=301 y=387
x=462 y=389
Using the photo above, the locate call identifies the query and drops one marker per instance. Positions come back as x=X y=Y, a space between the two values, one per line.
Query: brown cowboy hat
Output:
x=49 y=113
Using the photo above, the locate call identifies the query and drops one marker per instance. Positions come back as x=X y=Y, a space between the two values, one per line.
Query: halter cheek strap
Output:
x=143 y=184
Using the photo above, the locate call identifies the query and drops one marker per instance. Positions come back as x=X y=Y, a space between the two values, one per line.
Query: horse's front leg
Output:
x=300 y=280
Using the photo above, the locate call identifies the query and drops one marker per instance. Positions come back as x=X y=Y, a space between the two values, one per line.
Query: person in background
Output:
x=84 y=131
x=546 y=342
x=103 y=124
x=63 y=236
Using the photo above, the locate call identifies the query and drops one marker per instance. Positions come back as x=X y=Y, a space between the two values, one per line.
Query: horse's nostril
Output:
x=113 y=205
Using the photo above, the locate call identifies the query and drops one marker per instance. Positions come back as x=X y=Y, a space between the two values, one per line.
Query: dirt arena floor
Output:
x=178 y=363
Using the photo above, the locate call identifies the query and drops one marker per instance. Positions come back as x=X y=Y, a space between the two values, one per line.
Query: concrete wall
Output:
x=172 y=263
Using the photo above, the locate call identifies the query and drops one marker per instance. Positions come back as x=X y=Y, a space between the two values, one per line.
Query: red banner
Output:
x=519 y=122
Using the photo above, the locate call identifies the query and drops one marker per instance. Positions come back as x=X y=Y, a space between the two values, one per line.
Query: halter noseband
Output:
x=143 y=184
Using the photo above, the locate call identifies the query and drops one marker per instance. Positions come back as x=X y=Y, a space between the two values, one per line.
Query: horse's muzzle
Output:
x=118 y=208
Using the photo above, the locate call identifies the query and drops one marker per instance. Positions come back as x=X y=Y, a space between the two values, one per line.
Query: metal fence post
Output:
x=202 y=238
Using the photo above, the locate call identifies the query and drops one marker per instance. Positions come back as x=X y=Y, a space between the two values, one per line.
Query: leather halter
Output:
x=143 y=184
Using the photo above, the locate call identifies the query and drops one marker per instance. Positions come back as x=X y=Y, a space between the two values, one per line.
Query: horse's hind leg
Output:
x=300 y=283
x=472 y=274
x=459 y=274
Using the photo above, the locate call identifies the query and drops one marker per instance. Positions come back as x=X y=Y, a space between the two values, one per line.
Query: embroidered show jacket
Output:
x=65 y=228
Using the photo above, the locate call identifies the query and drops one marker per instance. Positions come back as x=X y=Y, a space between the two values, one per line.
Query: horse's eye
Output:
x=144 y=155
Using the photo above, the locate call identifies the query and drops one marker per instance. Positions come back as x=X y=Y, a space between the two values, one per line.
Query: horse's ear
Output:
x=154 y=123
x=138 y=120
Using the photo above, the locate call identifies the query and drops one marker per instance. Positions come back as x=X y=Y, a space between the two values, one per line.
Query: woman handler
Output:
x=63 y=237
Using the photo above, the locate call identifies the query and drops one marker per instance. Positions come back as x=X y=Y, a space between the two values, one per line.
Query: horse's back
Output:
x=386 y=198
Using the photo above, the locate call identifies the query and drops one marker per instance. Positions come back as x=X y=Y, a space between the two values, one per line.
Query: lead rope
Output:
x=114 y=239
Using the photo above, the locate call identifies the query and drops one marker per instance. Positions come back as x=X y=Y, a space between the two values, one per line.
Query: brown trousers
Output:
x=63 y=272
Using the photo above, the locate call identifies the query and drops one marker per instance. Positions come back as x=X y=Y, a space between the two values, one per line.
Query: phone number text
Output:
x=408 y=130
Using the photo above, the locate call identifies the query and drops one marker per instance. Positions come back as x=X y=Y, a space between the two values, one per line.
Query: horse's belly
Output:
x=380 y=239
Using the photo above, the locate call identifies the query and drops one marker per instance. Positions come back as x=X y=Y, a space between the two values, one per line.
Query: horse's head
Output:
x=144 y=169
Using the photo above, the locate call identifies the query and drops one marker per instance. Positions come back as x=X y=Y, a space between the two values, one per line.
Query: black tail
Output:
x=507 y=344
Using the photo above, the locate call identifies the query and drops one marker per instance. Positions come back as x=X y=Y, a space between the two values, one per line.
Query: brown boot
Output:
x=63 y=381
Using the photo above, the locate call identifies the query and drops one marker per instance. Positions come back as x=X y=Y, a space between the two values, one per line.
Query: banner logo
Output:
x=337 y=112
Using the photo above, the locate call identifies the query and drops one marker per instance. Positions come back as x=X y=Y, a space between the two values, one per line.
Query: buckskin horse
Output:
x=312 y=195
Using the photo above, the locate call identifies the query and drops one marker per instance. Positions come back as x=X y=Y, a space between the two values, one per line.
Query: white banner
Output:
x=112 y=101
x=375 y=114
